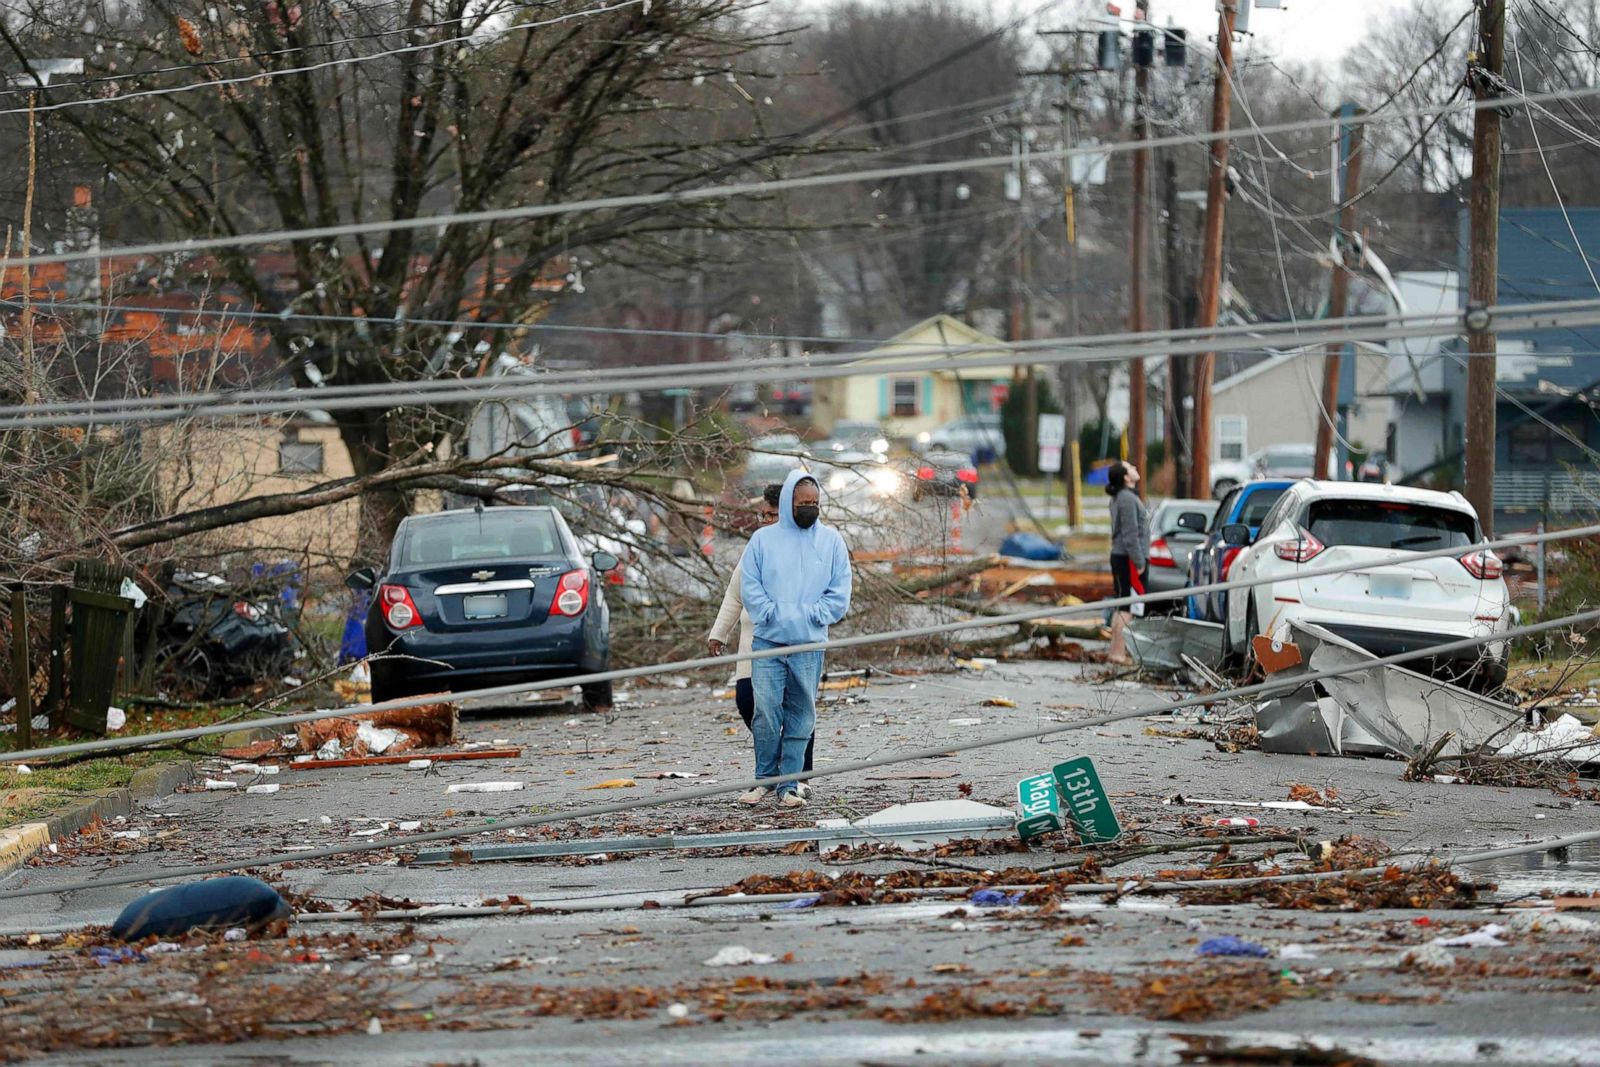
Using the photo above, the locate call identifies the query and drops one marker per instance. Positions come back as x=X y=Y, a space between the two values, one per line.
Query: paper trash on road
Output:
x=484 y=787
x=1483 y=937
x=270 y=787
x=212 y=783
x=739 y=956
x=1565 y=739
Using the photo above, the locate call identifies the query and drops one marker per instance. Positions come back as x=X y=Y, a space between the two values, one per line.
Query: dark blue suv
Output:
x=486 y=597
x=1209 y=562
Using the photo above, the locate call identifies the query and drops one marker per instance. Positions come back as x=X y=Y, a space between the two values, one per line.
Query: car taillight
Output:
x=399 y=610
x=925 y=473
x=968 y=476
x=1302 y=550
x=1484 y=564
x=572 y=594
x=1160 y=554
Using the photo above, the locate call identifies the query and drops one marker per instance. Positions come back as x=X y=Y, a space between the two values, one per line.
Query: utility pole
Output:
x=1211 y=254
x=1177 y=319
x=1339 y=285
x=1137 y=238
x=1021 y=328
x=1483 y=75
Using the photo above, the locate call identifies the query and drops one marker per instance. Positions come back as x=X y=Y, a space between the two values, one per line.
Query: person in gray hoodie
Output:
x=795 y=580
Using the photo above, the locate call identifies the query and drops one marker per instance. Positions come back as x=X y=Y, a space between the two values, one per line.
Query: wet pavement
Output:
x=1071 y=979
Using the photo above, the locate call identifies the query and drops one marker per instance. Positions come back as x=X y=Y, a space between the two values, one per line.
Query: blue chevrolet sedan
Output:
x=485 y=597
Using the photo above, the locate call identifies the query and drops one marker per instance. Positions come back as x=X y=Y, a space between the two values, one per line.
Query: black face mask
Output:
x=805 y=515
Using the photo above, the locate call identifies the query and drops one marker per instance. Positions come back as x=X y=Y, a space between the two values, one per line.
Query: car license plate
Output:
x=484 y=606
x=1389 y=586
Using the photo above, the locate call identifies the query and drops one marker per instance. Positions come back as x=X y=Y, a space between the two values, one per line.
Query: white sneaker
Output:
x=792 y=800
x=755 y=796
x=804 y=789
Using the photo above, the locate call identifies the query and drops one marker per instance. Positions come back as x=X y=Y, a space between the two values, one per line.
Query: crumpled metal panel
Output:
x=1402 y=709
x=1159 y=642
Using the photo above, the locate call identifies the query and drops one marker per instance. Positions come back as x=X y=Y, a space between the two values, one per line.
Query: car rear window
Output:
x=492 y=535
x=1256 y=506
x=1385 y=524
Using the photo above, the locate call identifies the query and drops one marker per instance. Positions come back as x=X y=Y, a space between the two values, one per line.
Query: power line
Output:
x=698 y=194
x=104 y=880
x=345 y=61
x=1247 y=337
x=41 y=86
x=1544 y=160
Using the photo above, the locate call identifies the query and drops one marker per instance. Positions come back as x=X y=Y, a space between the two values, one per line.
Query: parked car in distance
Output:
x=1210 y=560
x=1275 y=461
x=978 y=436
x=772 y=458
x=1375 y=468
x=1177 y=527
x=944 y=472
x=858 y=435
x=1385 y=605
x=484 y=597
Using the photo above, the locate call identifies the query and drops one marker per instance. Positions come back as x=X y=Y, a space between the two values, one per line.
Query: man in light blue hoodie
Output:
x=795 y=584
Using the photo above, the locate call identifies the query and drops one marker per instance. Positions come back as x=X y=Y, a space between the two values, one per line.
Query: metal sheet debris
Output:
x=1403 y=710
x=1160 y=642
x=1299 y=724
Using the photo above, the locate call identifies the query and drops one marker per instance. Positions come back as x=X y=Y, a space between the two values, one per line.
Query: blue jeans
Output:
x=786 y=711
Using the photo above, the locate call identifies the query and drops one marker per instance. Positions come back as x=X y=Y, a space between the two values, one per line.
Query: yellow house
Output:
x=217 y=464
x=910 y=402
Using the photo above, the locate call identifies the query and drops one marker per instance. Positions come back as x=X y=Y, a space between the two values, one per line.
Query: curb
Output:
x=18 y=843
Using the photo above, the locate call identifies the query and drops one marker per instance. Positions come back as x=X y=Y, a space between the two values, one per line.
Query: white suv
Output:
x=1384 y=605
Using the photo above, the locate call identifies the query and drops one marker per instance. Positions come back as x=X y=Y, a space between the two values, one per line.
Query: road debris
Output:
x=213 y=904
x=413 y=762
x=739 y=956
x=484 y=787
x=1228 y=945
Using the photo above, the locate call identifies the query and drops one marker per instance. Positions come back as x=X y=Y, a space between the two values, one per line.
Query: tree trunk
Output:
x=366 y=437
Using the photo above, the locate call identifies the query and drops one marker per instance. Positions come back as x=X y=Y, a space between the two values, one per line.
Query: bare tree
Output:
x=329 y=114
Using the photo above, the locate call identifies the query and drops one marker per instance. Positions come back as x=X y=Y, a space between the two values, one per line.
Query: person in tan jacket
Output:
x=732 y=618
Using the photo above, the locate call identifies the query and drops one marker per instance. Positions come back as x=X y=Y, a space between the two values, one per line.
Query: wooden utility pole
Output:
x=1137 y=239
x=1211 y=255
x=1177 y=319
x=1483 y=75
x=1339 y=285
x=1021 y=328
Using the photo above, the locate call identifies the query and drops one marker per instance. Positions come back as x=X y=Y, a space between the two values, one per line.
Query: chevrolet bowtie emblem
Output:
x=482 y=576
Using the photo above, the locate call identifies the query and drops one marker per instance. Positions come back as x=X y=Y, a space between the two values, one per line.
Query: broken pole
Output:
x=21 y=676
x=1347 y=260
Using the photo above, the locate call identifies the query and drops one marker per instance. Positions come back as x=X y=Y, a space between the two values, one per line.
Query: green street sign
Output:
x=1038 y=806
x=1085 y=801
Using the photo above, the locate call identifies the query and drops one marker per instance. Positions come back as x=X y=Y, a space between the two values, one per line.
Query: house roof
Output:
x=922 y=340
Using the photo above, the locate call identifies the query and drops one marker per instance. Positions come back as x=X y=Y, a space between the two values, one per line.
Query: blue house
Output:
x=1547 y=448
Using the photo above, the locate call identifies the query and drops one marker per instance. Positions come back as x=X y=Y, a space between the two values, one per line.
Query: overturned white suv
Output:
x=1385 y=602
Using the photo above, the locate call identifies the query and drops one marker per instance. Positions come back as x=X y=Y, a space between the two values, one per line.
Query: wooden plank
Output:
x=21 y=676
x=107 y=601
x=55 y=695
x=378 y=761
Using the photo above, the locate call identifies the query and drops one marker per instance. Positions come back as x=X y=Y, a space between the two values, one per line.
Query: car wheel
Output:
x=598 y=697
x=1222 y=487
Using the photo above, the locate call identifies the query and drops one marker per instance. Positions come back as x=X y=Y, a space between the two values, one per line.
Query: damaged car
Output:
x=1383 y=604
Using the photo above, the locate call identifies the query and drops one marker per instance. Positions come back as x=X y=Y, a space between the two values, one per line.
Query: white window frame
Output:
x=894 y=397
x=1233 y=431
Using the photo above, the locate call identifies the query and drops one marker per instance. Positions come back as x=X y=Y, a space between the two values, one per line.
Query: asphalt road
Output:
x=934 y=981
